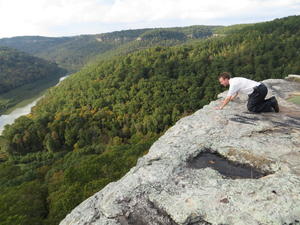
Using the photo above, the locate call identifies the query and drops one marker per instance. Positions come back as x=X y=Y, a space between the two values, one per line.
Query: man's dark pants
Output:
x=257 y=102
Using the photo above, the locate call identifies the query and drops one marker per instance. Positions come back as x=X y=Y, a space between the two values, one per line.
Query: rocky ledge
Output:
x=212 y=167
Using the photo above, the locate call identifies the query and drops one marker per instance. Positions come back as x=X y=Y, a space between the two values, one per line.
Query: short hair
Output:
x=225 y=75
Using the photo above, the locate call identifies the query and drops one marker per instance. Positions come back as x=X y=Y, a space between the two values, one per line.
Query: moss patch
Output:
x=295 y=99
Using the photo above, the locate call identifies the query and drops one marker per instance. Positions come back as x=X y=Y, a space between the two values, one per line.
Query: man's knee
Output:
x=251 y=109
x=250 y=106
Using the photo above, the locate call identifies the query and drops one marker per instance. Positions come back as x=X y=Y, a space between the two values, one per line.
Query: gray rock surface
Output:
x=293 y=77
x=164 y=189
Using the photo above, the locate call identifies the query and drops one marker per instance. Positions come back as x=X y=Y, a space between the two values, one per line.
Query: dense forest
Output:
x=18 y=68
x=91 y=129
x=72 y=53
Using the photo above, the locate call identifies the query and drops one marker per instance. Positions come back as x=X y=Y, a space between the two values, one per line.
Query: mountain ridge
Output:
x=74 y=51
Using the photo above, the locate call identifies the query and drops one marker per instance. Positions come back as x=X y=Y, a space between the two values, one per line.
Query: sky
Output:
x=56 y=18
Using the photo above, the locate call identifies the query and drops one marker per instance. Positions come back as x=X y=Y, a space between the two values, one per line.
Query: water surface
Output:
x=10 y=118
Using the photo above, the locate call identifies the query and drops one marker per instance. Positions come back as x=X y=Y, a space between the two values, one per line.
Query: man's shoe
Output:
x=275 y=104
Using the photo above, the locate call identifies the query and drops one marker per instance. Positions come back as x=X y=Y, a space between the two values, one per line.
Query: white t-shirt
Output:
x=241 y=84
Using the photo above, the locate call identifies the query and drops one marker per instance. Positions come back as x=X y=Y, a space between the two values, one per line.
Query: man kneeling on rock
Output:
x=256 y=92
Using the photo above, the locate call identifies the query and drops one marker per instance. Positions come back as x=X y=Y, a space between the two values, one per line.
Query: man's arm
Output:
x=234 y=96
x=227 y=99
x=231 y=94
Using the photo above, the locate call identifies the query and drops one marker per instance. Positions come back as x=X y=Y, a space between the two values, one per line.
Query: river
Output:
x=10 y=118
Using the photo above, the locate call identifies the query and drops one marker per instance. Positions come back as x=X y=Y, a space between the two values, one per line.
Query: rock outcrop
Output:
x=225 y=166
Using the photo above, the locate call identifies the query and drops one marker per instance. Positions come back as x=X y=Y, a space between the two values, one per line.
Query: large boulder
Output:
x=225 y=166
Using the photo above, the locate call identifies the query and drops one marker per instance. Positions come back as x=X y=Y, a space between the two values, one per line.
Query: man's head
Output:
x=224 y=78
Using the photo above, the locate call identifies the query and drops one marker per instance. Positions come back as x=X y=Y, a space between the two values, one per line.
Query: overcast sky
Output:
x=73 y=17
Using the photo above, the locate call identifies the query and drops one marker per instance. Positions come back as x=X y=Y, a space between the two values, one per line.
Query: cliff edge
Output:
x=225 y=166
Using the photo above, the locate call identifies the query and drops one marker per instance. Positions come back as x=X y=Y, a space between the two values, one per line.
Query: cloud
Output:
x=45 y=17
x=152 y=10
x=36 y=16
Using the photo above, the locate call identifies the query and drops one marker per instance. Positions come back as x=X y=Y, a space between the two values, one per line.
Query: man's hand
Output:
x=218 y=107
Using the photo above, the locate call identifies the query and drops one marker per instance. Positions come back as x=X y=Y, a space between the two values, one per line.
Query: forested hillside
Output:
x=91 y=129
x=19 y=69
x=33 y=44
x=74 y=52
